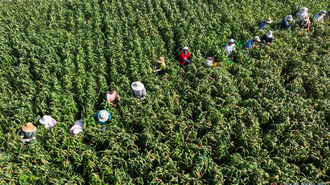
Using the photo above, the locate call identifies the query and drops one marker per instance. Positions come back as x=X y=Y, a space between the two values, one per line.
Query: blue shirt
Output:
x=249 y=44
x=262 y=25
x=284 y=24
x=97 y=117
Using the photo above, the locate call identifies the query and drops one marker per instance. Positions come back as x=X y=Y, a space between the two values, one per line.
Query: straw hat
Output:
x=28 y=127
x=160 y=60
x=185 y=48
x=137 y=86
x=289 y=18
x=303 y=9
x=231 y=40
x=103 y=116
x=256 y=38
x=268 y=20
x=269 y=34
x=46 y=120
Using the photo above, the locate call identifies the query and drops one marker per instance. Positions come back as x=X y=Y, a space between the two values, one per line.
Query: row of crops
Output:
x=264 y=119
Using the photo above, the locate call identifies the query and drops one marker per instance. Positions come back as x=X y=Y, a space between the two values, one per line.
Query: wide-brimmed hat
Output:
x=185 y=48
x=137 y=86
x=103 y=116
x=46 y=120
x=76 y=131
x=160 y=60
x=256 y=38
x=323 y=12
x=28 y=127
x=289 y=18
x=78 y=122
x=303 y=9
x=231 y=40
x=269 y=34
x=268 y=20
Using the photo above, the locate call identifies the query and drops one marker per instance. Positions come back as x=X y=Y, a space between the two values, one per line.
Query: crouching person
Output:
x=103 y=117
x=138 y=90
x=28 y=132
x=77 y=127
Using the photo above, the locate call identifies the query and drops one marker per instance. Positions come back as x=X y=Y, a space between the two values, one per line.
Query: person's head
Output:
x=303 y=10
x=268 y=20
x=230 y=42
x=111 y=89
x=323 y=12
x=289 y=18
x=256 y=39
x=269 y=34
x=185 y=49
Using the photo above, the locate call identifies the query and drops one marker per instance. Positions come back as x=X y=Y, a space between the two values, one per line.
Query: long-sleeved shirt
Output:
x=140 y=94
x=285 y=24
x=249 y=44
x=318 y=17
x=229 y=49
x=29 y=135
x=112 y=97
x=162 y=67
x=184 y=57
x=267 y=39
x=262 y=25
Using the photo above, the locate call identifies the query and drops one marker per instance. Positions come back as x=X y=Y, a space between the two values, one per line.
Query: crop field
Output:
x=263 y=119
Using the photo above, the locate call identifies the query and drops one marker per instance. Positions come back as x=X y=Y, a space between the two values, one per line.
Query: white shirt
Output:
x=318 y=17
x=229 y=49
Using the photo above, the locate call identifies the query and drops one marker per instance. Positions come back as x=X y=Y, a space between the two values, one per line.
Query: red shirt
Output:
x=182 y=57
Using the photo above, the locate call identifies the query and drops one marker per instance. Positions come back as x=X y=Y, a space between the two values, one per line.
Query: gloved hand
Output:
x=189 y=62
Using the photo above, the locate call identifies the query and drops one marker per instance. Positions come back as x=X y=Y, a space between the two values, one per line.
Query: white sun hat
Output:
x=269 y=34
x=103 y=116
x=76 y=131
x=137 y=86
x=46 y=120
x=185 y=48
x=323 y=12
x=289 y=18
x=231 y=40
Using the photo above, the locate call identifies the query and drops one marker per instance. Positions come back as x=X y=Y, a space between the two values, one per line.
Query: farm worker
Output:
x=102 y=117
x=48 y=121
x=77 y=127
x=250 y=44
x=320 y=16
x=267 y=38
x=263 y=24
x=230 y=48
x=28 y=132
x=305 y=24
x=112 y=96
x=138 y=90
x=209 y=62
x=285 y=22
x=185 y=57
x=162 y=66
x=302 y=14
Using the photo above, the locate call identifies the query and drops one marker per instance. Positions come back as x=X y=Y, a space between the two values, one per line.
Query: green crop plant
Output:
x=263 y=119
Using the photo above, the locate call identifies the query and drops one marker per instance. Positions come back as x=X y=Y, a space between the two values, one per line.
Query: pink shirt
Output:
x=112 y=97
